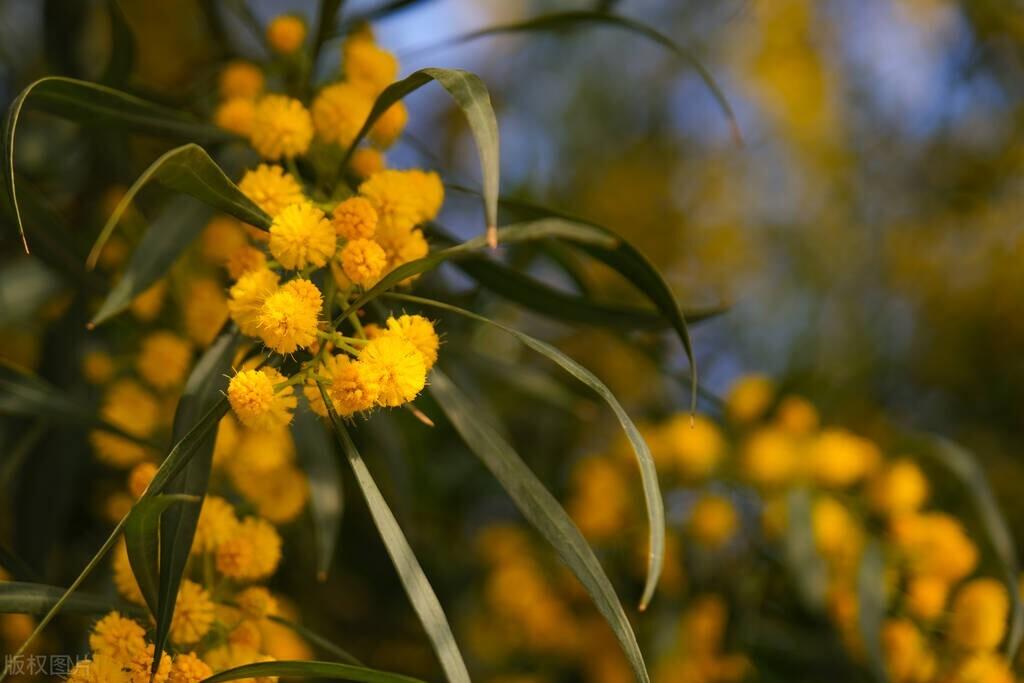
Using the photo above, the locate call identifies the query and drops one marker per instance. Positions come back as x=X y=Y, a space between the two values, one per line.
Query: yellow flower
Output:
x=134 y=410
x=245 y=260
x=899 y=489
x=353 y=386
x=926 y=597
x=400 y=366
x=694 y=447
x=907 y=659
x=230 y=656
x=769 y=457
x=252 y=553
x=796 y=415
x=270 y=188
x=749 y=398
x=354 y=218
x=247 y=634
x=363 y=261
x=279 y=494
x=117 y=637
x=301 y=235
x=124 y=579
x=980 y=609
x=247 y=297
x=241 y=79
x=836 y=532
x=255 y=401
x=222 y=237
x=420 y=332
x=984 y=667
x=98 y=669
x=366 y=161
x=146 y=306
x=227 y=441
x=281 y=642
x=237 y=115
x=368 y=66
x=262 y=450
x=205 y=310
x=429 y=191
x=839 y=458
x=289 y=317
x=286 y=33
x=936 y=545
x=281 y=128
x=138 y=669
x=402 y=247
x=217 y=523
x=164 y=359
x=712 y=521
x=140 y=477
x=193 y=614
x=402 y=199
x=339 y=111
x=600 y=500
x=188 y=668
x=390 y=125
x=256 y=602
x=97 y=367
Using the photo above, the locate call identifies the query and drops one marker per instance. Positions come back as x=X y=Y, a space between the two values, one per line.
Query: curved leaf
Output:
x=94 y=104
x=122 y=47
x=142 y=538
x=310 y=669
x=648 y=473
x=540 y=508
x=471 y=95
x=18 y=597
x=190 y=170
x=561 y=21
x=415 y=582
x=326 y=496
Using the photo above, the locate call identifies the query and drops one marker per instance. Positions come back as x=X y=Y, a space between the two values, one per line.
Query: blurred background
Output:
x=863 y=238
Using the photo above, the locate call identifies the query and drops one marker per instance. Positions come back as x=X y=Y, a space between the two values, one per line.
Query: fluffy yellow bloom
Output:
x=907 y=659
x=429 y=190
x=256 y=602
x=420 y=332
x=281 y=128
x=205 y=310
x=131 y=408
x=363 y=262
x=140 y=477
x=839 y=458
x=237 y=115
x=281 y=642
x=222 y=237
x=255 y=401
x=980 y=610
x=247 y=634
x=769 y=457
x=227 y=440
x=146 y=306
x=713 y=521
x=117 y=637
x=402 y=199
x=367 y=65
x=286 y=33
x=217 y=523
x=98 y=669
x=366 y=161
x=289 y=318
x=926 y=597
x=983 y=667
x=936 y=545
x=260 y=451
x=252 y=553
x=836 y=532
x=193 y=614
x=270 y=188
x=97 y=367
x=279 y=494
x=188 y=668
x=164 y=359
x=124 y=579
x=138 y=669
x=693 y=447
x=402 y=247
x=355 y=218
x=899 y=489
x=355 y=386
x=600 y=500
x=301 y=235
x=749 y=397
x=241 y=79
x=245 y=260
x=796 y=415
x=247 y=296
x=400 y=366
x=339 y=111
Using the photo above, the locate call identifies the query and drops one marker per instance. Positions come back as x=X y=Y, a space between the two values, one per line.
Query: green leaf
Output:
x=415 y=582
x=190 y=170
x=540 y=508
x=204 y=392
x=471 y=95
x=94 y=104
x=871 y=605
x=326 y=496
x=800 y=551
x=557 y=22
x=310 y=669
x=648 y=474
x=122 y=47
x=180 y=222
x=521 y=232
x=326 y=19
x=35 y=598
x=142 y=538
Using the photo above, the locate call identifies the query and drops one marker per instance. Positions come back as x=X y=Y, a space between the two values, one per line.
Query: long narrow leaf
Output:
x=18 y=597
x=540 y=508
x=310 y=669
x=327 y=500
x=142 y=538
x=871 y=605
x=417 y=587
x=648 y=474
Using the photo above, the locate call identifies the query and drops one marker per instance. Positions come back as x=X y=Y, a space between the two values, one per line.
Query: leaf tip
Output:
x=492 y=236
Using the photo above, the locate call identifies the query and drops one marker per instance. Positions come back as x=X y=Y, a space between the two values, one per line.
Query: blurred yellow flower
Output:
x=164 y=359
x=769 y=457
x=900 y=488
x=281 y=128
x=193 y=614
x=271 y=188
x=241 y=79
x=749 y=398
x=693 y=443
x=979 y=614
x=237 y=115
x=367 y=65
x=339 y=111
x=713 y=521
x=286 y=33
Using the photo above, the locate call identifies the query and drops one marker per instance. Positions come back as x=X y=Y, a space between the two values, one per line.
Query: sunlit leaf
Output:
x=304 y=669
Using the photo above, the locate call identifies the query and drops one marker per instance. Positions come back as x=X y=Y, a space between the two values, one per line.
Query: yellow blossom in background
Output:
x=217 y=523
x=222 y=237
x=300 y=236
x=257 y=404
x=97 y=367
x=140 y=478
x=281 y=128
x=354 y=386
x=797 y=415
x=279 y=494
x=926 y=597
x=247 y=296
x=713 y=521
x=419 y=332
x=900 y=488
x=354 y=218
x=261 y=451
x=256 y=602
x=390 y=125
x=139 y=671
x=749 y=398
x=979 y=615
x=252 y=553
x=245 y=260
x=164 y=359
x=600 y=499
x=984 y=667
x=836 y=531
x=205 y=310
x=286 y=33
x=188 y=668
x=402 y=199
x=839 y=458
x=367 y=65
x=134 y=410
x=366 y=161
x=363 y=262
x=241 y=79
x=935 y=544
x=99 y=668
x=769 y=457
x=271 y=188
x=193 y=614
x=694 y=444
x=400 y=367
x=339 y=111
x=117 y=637
x=907 y=659
x=146 y=306
x=237 y=115
x=289 y=318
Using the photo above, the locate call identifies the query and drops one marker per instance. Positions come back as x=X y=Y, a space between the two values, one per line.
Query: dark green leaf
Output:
x=302 y=669
x=326 y=497
x=142 y=537
x=122 y=47
x=415 y=582
x=34 y=598
x=471 y=95
x=648 y=473
x=190 y=170
x=871 y=605
x=539 y=507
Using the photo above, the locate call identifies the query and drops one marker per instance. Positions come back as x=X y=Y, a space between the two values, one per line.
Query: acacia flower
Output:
x=270 y=188
x=367 y=65
x=237 y=115
x=256 y=403
x=286 y=33
x=289 y=318
x=420 y=332
x=355 y=218
x=354 y=386
x=241 y=79
x=164 y=359
x=281 y=128
x=188 y=668
x=363 y=261
x=339 y=111
x=247 y=297
x=193 y=614
x=117 y=637
x=400 y=367
x=301 y=235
